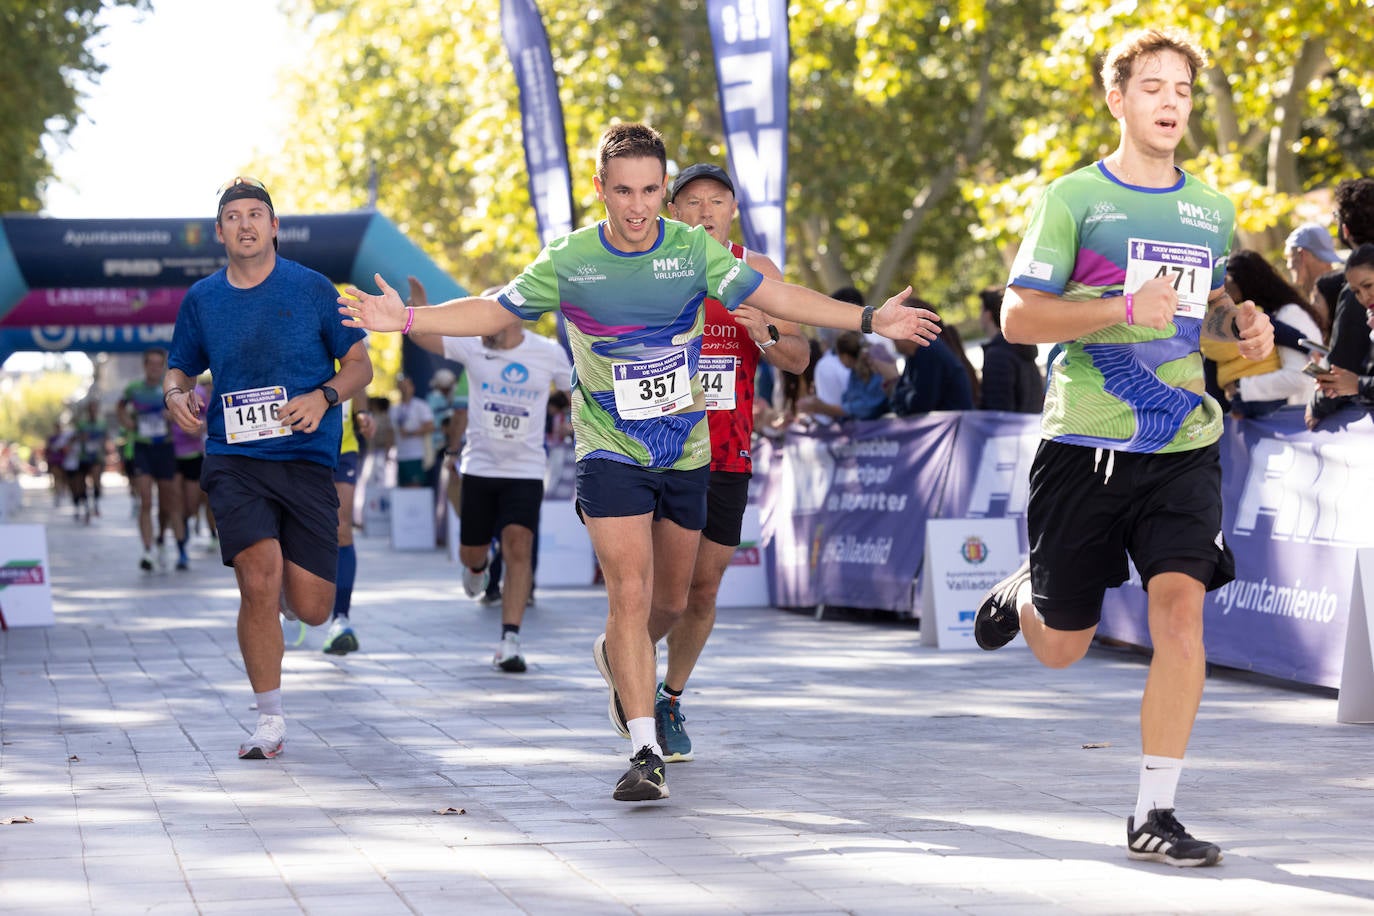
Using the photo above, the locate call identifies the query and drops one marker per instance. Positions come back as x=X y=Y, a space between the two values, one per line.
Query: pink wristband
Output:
x=410 y=316
x=1130 y=310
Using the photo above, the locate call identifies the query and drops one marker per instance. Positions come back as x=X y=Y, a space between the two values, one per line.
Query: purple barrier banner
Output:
x=750 y=39
x=989 y=475
x=844 y=516
x=541 y=117
x=845 y=510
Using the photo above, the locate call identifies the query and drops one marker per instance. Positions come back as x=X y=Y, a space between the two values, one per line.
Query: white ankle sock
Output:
x=1158 y=781
x=269 y=702
x=642 y=733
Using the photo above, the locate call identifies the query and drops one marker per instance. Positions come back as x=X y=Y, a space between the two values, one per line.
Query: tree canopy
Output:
x=921 y=130
x=45 y=50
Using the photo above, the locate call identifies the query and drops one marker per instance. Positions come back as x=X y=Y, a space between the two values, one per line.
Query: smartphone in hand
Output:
x=1320 y=356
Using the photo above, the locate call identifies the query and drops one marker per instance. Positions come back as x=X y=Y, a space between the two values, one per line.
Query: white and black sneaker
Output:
x=1162 y=839
x=999 y=616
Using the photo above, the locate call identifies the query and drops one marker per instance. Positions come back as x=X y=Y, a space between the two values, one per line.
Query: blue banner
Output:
x=541 y=117
x=844 y=515
x=844 y=512
x=752 y=54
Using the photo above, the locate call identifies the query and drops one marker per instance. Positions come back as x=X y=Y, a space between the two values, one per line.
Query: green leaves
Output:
x=44 y=55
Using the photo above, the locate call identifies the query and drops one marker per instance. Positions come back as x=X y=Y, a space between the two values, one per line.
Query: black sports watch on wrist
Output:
x=773 y=338
x=331 y=397
x=866 y=320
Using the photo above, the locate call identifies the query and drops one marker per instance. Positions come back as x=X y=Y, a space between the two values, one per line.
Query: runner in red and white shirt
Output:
x=732 y=345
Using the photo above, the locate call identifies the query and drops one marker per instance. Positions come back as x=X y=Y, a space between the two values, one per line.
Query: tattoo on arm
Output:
x=1220 y=321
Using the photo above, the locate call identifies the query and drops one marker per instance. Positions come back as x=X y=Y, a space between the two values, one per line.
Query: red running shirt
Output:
x=729 y=411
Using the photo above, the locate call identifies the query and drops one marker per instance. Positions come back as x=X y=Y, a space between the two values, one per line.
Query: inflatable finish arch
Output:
x=112 y=285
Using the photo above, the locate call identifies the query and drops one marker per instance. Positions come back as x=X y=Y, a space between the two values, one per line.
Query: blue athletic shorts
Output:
x=292 y=502
x=346 y=471
x=613 y=489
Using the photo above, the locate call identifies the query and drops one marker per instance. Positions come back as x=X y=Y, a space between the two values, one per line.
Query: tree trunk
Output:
x=1288 y=114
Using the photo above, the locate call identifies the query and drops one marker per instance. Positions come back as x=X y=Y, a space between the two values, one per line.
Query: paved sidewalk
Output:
x=840 y=767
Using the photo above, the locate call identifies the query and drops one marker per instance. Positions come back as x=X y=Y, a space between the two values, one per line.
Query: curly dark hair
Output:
x=1355 y=210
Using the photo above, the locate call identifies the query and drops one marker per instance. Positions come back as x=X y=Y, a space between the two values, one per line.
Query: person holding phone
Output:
x=1340 y=382
x=1258 y=388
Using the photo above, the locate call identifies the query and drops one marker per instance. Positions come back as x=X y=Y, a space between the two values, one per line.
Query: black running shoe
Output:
x=643 y=781
x=1162 y=839
x=999 y=616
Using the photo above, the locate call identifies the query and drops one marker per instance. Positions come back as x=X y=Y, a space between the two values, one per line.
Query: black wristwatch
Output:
x=866 y=322
x=331 y=397
x=773 y=338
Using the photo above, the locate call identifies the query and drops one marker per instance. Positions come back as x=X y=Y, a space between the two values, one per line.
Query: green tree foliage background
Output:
x=921 y=132
x=45 y=51
x=31 y=406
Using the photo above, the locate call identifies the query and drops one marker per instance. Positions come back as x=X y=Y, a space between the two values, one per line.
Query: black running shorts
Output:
x=727 y=495
x=489 y=504
x=1091 y=508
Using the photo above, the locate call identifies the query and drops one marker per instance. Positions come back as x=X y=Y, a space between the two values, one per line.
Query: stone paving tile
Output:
x=841 y=766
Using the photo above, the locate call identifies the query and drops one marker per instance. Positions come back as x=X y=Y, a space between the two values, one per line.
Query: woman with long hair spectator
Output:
x=1249 y=275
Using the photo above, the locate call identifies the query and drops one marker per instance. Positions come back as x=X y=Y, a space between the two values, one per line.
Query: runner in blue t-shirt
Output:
x=632 y=289
x=265 y=328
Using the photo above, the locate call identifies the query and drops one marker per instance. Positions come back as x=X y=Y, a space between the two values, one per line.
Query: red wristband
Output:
x=410 y=317
x=1130 y=310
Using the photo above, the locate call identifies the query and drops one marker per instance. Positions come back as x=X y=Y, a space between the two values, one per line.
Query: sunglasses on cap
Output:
x=241 y=180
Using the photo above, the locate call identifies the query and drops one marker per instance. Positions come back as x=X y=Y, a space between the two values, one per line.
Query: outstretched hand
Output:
x=898 y=321
x=385 y=312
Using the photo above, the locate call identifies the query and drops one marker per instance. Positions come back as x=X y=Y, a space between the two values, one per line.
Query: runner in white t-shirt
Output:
x=510 y=375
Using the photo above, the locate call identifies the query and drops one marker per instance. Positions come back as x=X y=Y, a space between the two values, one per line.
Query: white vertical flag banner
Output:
x=752 y=54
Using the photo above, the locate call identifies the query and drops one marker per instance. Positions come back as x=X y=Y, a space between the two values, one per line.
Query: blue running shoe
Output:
x=672 y=737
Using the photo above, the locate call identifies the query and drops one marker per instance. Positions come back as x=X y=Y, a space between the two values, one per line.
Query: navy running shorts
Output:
x=614 y=489
x=156 y=459
x=346 y=471
x=292 y=502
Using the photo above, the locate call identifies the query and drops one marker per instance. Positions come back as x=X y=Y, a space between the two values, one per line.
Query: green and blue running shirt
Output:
x=634 y=322
x=1126 y=387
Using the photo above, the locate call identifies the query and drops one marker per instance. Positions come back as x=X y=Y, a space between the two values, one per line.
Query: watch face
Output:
x=330 y=395
x=773 y=332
